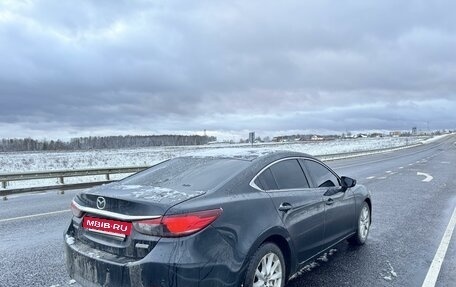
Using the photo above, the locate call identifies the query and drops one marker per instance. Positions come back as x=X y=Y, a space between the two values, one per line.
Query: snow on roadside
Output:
x=307 y=268
x=433 y=139
x=47 y=161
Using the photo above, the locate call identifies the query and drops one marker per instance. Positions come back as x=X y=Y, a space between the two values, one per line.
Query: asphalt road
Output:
x=410 y=217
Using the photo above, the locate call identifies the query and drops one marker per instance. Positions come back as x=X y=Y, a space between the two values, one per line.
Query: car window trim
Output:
x=252 y=182
x=273 y=178
x=115 y=215
x=288 y=189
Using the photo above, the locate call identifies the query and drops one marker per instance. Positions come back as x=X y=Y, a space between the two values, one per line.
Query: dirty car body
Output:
x=197 y=221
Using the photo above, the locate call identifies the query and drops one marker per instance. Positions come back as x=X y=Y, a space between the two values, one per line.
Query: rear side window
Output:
x=266 y=181
x=289 y=175
x=321 y=176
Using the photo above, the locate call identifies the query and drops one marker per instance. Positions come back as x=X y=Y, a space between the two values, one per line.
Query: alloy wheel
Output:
x=268 y=272
x=364 y=222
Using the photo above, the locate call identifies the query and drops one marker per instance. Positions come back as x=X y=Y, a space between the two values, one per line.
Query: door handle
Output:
x=330 y=201
x=285 y=207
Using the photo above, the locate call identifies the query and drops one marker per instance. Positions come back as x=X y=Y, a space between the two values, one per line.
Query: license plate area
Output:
x=107 y=226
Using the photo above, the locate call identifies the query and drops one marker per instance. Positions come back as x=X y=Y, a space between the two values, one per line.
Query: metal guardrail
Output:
x=336 y=156
x=62 y=174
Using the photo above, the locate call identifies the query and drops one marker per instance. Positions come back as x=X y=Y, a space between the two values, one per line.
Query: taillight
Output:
x=76 y=211
x=177 y=225
x=149 y=226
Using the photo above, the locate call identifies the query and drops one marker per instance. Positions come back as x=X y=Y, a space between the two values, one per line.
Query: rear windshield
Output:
x=188 y=173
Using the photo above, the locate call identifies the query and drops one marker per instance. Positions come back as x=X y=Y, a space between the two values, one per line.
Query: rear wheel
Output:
x=266 y=267
x=364 y=221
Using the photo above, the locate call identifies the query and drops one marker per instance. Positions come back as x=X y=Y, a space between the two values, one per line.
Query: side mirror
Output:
x=348 y=182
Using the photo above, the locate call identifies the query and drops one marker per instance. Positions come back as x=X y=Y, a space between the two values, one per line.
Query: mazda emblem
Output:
x=101 y=202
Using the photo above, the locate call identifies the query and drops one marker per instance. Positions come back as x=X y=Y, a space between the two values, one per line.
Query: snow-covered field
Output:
x=47 y=161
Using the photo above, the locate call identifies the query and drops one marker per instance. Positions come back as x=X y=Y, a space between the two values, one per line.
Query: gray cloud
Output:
x=103 y=67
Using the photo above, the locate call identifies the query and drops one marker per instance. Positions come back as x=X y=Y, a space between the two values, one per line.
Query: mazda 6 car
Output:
x=212 y=221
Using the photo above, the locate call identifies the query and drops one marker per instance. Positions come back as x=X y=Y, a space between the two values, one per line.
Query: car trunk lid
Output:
x=123 y=204
x=134 y=200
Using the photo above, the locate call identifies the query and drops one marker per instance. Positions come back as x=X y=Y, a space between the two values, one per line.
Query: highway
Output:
x=414 y=198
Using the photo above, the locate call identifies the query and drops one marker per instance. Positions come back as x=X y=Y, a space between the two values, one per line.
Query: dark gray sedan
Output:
x=211 y=221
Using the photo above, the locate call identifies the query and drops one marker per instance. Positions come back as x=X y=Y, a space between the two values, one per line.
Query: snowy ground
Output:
x=47 y=161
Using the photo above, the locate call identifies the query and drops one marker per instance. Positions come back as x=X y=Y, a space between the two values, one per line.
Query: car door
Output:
x=339 y=206
x=300 y=208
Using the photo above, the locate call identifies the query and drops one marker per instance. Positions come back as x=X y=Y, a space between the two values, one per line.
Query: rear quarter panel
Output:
x=248 y=218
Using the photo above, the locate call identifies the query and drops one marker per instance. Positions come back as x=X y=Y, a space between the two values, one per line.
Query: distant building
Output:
x=316 y=138
x=303 y=138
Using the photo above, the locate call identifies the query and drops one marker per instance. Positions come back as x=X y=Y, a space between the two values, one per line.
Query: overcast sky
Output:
x=76 y=68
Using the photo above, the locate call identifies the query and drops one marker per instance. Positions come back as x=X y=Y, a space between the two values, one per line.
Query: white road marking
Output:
x=382 y=177
x=434 y=269
x=410 y=164
x=388 y=171
x=25 y=194
x=34 y=215
x=428 y=176
x=370 y=177
x=401 y=167
x=445 y=162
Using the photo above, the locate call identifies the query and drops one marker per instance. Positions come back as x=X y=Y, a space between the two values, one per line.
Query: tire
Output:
x=270 y=255
x=364 y=223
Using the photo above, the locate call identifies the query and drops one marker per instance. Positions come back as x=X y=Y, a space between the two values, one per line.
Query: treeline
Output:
x=109 y=142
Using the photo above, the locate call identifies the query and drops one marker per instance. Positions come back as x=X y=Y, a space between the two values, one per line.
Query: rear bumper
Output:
x=182 y=262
